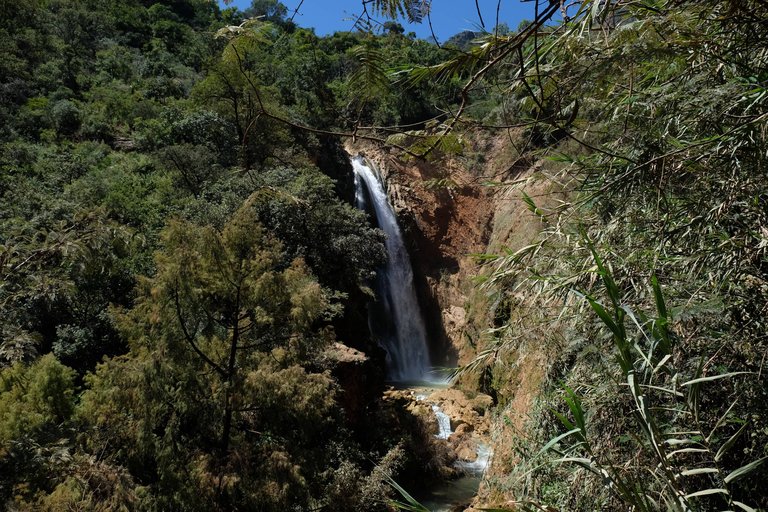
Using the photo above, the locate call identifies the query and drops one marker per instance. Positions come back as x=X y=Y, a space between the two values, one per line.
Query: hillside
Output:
x=185 y=280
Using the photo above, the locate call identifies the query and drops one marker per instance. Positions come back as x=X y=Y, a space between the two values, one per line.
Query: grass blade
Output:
x=556 y=440
x=743 y=506
x=743 y=470
x=711 y=377
x=706 y=492
x=700 y=471
x=412 y=505
x=727 y=446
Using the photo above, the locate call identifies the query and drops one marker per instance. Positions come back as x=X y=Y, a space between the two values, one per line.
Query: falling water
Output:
x=395 y=318
x=443 y=422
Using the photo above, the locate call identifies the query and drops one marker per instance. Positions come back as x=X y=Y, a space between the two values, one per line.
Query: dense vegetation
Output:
x=178 y=253
x=175 y=267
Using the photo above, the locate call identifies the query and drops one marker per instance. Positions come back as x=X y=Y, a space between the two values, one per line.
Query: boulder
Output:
x=465 y=452
x=349 y=367
x=464 y=428
x=427 y=417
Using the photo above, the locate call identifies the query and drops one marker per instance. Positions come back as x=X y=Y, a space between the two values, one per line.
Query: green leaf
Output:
x=661 y=307
x=721 y=420
x=565 y=421
x=576 y=408
x=556 y=440
x=532 y=207
x=583 y=462
x=728 y=444
x=606 y=318
x=661 y=323
x=412 y=505
x=743 y=470
x=711 y=377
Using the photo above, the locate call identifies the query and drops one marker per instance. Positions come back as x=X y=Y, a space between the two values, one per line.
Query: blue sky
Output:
x=448 y=16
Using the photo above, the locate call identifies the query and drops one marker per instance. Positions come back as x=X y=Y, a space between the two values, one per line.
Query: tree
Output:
x=37 y=402
x=393 y=28
x=214 y=391
x=272 y=11
x=222 y=295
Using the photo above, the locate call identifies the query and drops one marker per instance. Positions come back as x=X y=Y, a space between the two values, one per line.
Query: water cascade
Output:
x=395 y=318
x=443 y=422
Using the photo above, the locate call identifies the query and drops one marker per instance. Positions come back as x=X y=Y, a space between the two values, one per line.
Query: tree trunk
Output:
x=228 y=407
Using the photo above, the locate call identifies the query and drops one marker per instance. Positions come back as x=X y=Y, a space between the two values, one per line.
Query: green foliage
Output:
x=116 y=117
x=228 y=401
x=672 y=429
x=34 y=398
x=666 y=116
x=37 y=403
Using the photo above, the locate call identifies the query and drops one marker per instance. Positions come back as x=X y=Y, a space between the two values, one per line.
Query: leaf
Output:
x=676 y=442
x=556 y=440
x=576 y=409
x=413 y=10
x=706 y=492
x=743 y=470
x=700 y=471
x=686 y=450
x=711 y=377
x=412 y=504
x=743 y=506
x=610 y=284
x=605 y=317
x=532 y=207
x=583 y=462
x=565 y=421
x=728 y=444
x=370 y=78
x=660 y=325
x=721 y=420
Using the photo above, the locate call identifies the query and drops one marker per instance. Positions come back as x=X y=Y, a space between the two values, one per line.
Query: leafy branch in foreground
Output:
x=411 y=504
x=677 y=437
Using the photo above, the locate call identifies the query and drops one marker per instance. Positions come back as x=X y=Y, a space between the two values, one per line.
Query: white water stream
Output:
x=444 y=422
x=395 y=318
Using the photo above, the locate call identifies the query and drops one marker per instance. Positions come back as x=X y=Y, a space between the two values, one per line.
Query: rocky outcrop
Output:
x=358 y=377
x=469 y=421
x=443 y=221
x=464 y=411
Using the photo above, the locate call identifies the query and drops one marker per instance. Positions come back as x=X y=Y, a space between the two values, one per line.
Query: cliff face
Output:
x=448 y=213
x=442 y=226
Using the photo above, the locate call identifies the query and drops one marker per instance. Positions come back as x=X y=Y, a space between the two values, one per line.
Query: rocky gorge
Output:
x=449 y=216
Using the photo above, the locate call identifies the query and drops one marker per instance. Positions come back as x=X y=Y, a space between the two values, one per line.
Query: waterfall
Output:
x=395 y=318
x=443 y=422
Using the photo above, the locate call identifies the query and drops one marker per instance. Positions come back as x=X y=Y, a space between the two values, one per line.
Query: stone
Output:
x=464 y=428
x=462 y=410
x=466 y=453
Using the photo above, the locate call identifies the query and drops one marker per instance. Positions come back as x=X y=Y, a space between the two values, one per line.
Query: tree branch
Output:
x=189 y=338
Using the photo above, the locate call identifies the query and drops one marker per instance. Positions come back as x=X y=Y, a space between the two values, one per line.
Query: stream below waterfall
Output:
x=457 y=493
x=395 y=319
